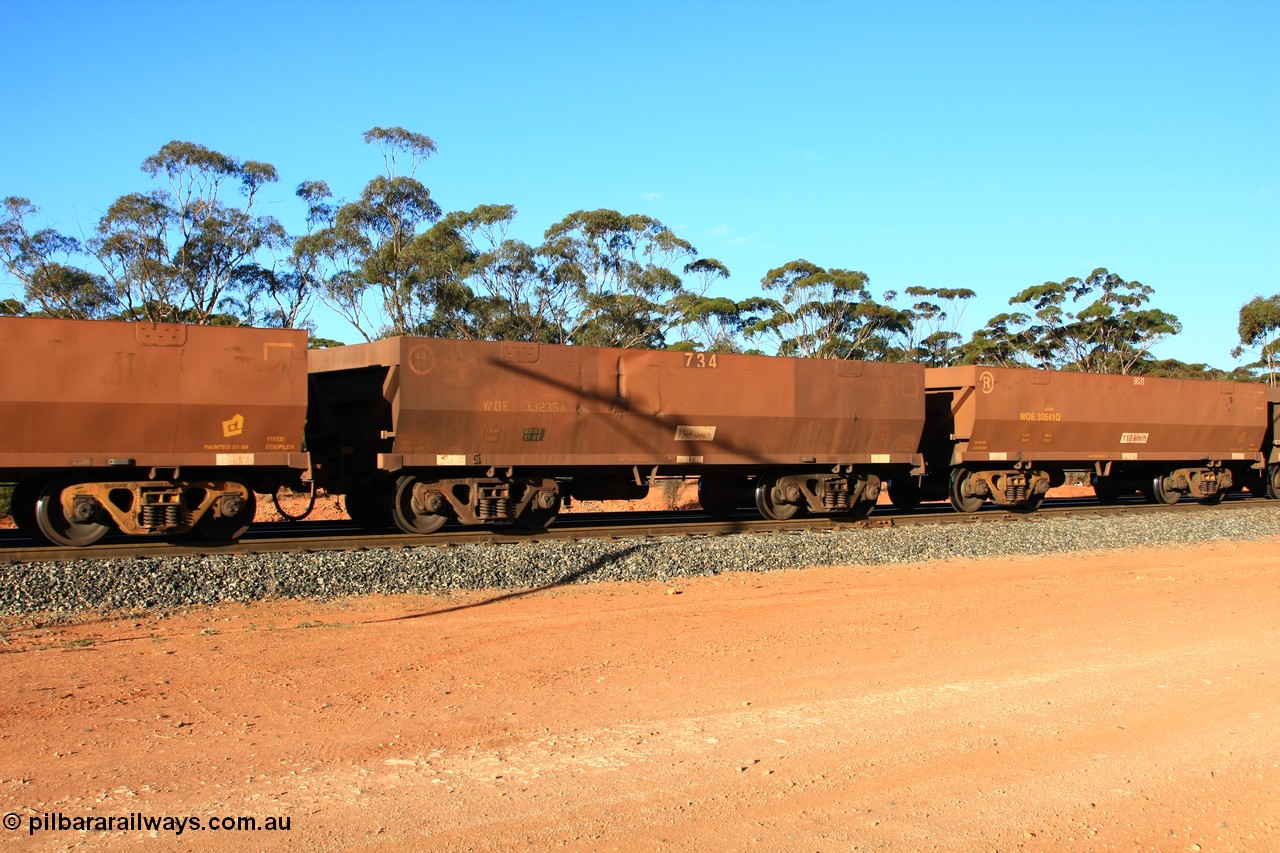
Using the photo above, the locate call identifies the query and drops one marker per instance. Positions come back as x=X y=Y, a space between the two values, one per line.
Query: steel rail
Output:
x=320 y=536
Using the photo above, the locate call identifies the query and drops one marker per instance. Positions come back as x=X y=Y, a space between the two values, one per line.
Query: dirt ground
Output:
x=1122 y=701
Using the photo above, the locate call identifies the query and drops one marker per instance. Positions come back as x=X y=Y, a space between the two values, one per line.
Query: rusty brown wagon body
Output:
x=1270 y=476
x=1009 y=434
x=419 y=429
x=150 y=428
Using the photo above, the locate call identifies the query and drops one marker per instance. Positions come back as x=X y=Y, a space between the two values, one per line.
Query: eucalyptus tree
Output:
x=1095 y=324
x=826 y=313
x=40 y=263
x=614 y=278
x=935 y=317
x=185 y=252
x=1260 y=330
x=365 y=249
x=708 y=323
x=487 y=285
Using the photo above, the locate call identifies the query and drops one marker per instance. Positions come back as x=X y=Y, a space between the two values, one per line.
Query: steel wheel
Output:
x=768 y=507
x=57 y=528
x=1105 y=489
x=1161 y=492
x=861 y=508
x=538 y=518
x=227 y=528
x=960 y=499
x=410 y=515
x=1273 y=482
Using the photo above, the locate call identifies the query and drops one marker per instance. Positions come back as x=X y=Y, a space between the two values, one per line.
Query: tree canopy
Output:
x=1260 y=331
x=1095 y=324
x=196 y=247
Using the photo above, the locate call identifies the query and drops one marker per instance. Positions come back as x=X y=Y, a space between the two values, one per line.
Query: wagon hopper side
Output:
x=1008 y=435
x=420 y=430
x=148 y=428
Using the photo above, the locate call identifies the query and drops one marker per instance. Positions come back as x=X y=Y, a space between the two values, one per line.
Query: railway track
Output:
x=304 y=536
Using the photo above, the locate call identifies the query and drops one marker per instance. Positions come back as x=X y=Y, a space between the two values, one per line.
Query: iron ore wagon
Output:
x=416 y=431
x=1008 y=435
x=148 y=428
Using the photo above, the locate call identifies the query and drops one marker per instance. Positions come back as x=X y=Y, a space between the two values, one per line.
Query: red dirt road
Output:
x=1126 y=701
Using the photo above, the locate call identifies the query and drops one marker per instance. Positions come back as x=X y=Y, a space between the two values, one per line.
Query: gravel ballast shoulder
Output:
x=60 y=590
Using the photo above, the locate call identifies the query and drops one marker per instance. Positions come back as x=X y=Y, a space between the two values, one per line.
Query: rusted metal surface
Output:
x=460 y=403
x=146 y=428
x=96 y=394
x=1008 y=435
x=492 y=431
x=1007 y=414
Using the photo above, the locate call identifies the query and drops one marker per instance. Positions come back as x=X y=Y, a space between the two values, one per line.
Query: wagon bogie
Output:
x=75 y=511
x=1016 y=489
x=424 y=503
x=782 y=496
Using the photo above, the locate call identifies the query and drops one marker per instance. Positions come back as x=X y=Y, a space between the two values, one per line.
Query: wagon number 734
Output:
x=699 y=359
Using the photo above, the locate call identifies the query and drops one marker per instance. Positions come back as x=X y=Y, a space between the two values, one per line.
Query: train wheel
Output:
x=962 y=497
x=410 y=515
x=229 y=527
x=770 y=508
x=1105 y=489
x=87 y=528
x=539 y=518
x=861 y=508
x=1273 y=482
x=720 y=497
x=1161 y=491
x=904 y=494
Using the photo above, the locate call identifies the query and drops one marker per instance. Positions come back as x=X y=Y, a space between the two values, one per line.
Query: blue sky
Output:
x=989 y=145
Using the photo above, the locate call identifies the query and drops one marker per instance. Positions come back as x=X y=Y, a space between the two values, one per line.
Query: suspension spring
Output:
x=836 y=497
x=157 y=516
x=497 y=507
